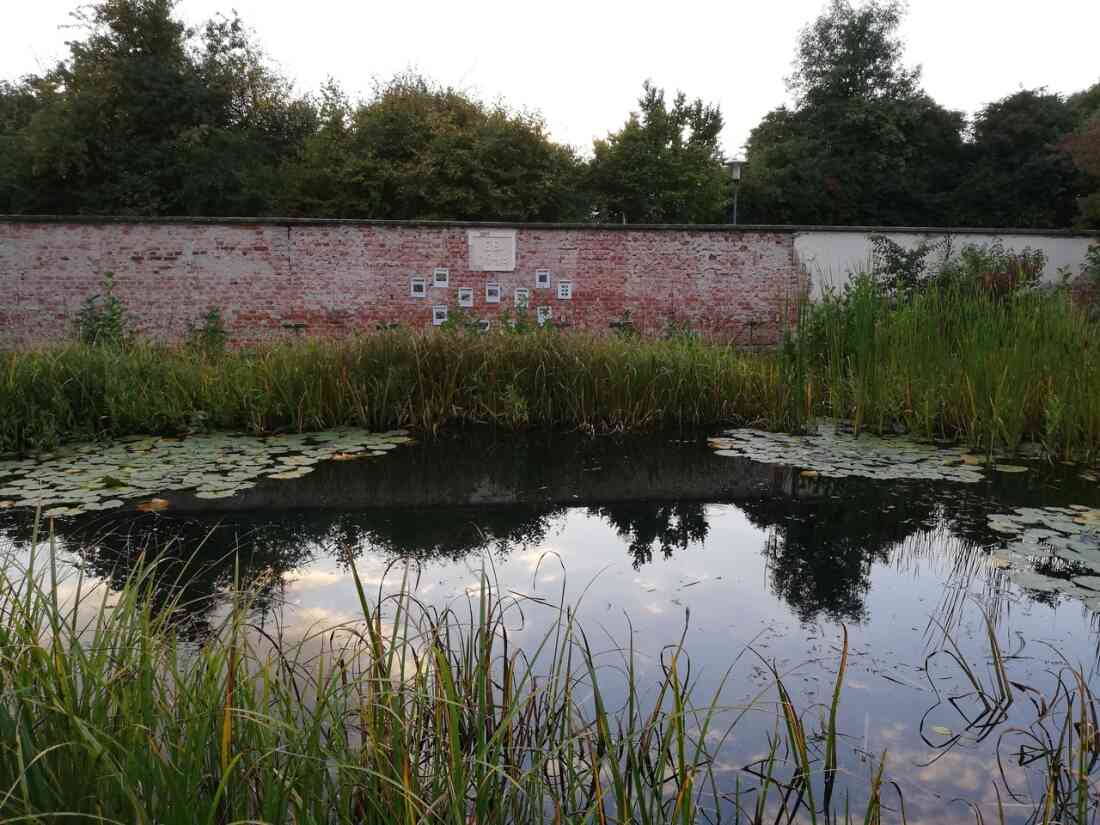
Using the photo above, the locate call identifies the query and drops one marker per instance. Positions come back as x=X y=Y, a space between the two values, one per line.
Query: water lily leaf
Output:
x=1009 y=468
x=212 y=494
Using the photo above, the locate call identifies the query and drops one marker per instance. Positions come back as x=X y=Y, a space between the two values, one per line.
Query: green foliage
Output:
x=863 y=144
x=1019 y=172
x=148 y=116
x=419 y=150
x=210 y=336
x=992 y=269
x=960 y=361
x=851 y=53
x=423 y=380
x=1091 y=267
x=102 y=318
x=1083 y=147
x=663 y=166
x=900 y=269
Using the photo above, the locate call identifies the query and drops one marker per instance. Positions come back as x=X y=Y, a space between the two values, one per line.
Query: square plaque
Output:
x=492 y=250
x=465 y=296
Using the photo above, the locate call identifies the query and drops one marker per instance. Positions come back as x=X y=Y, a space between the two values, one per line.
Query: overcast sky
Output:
x=582 y=63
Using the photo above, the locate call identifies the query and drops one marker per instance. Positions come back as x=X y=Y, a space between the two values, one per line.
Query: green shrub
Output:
x=102 y=317
x=210 y=337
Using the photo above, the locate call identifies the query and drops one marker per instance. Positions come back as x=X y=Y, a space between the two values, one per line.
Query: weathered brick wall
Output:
x=342 y=277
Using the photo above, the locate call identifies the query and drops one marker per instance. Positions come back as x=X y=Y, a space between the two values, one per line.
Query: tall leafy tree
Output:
x=418 y=150
x=149 y=116
x=1083 y=147
x=1020 y=171
x=663 y=166
x=861 y=143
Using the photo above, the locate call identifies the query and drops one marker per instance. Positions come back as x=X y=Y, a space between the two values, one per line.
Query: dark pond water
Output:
x=653 y=529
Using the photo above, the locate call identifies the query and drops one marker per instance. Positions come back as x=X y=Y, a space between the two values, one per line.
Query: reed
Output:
x=413 y=714
x=394 y=379
x=957 y=363
x=951 y=362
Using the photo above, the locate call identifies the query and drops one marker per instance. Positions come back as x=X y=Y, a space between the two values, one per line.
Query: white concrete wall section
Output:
x=831 y=256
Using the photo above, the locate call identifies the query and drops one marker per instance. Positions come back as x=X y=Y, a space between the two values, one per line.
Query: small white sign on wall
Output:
x=542 y=279
x=465 y=296
x=441 y=277
x=565 y=290
x=544 y=314
x=492 y=293
x=491 y=250
x=523 y=296
x=418 y=287
x=439 y=315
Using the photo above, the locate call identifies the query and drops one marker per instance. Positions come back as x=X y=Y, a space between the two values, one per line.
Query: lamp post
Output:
x=734 y=167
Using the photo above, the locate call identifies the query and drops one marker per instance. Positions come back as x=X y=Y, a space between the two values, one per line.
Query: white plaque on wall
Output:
x=492 y=250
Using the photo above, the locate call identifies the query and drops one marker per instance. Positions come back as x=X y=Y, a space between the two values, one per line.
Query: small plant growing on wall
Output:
x=624 y=325
x=209 y=336
x=102 y=317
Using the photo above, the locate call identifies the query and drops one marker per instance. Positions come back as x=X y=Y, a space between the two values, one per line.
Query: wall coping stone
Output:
x=572 y=227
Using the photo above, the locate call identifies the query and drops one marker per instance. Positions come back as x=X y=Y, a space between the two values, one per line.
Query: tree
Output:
x=418 y=150
x=148 y=116
x=1083 y=147
x=1021 y=173
x=663 y=166
x=862 y=143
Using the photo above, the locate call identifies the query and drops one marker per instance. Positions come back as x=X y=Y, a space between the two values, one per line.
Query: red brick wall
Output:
x=338 y=278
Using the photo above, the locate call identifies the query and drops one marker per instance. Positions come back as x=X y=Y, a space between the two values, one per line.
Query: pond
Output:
x=763 y=559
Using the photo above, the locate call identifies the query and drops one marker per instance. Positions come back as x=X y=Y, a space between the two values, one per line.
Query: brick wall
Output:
x=342 y=277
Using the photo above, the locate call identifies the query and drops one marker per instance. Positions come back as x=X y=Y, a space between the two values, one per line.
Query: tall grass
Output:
x=412 y=714
x=420 y=380
x=955 y=362
x=407 y=715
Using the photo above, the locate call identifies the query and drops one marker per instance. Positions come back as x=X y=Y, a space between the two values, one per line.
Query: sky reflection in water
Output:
x=770 y=564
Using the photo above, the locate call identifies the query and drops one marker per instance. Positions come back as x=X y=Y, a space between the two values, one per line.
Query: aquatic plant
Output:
x=89 y=477
x=415 y=714
x=956 y=363
x=383 y=381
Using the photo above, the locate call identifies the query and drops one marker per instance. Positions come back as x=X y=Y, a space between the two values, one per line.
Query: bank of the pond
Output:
x=989 y=370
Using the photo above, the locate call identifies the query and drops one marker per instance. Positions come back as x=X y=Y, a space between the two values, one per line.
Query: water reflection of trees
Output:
x=664 y=527
x=820 y=550
x=821 y=544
